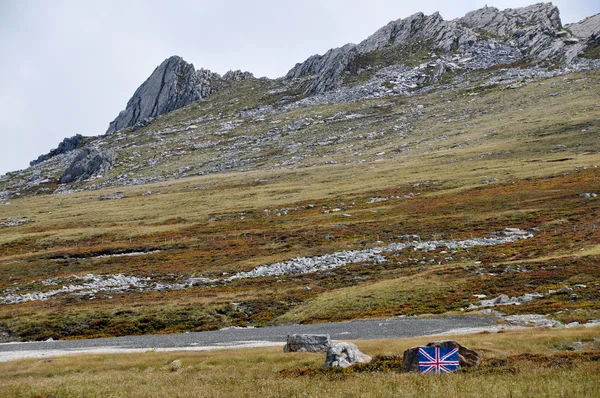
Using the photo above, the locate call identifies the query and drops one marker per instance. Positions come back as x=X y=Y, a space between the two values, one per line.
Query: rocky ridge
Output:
x=244 y=137
x=531 y=32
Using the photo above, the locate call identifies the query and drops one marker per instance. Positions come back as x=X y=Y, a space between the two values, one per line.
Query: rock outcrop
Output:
x=466 y=357
x=67 y=145
x=87 y=163
x=345 y=354
x=237 y=75
x=589 y=27
x=173 y=85
x=531 y=32
x=307 y=343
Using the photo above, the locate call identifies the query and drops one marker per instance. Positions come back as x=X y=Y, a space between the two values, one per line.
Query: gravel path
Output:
x=253 y=337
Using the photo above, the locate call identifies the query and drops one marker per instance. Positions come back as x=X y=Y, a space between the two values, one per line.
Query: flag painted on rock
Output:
x=438 y=360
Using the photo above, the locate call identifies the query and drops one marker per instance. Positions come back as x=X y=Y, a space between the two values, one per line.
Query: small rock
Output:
x=502 y=299
x=588 y=195
x=175 y=365
x=344 y=355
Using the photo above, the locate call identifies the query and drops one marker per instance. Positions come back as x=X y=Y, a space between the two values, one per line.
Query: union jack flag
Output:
x=438 y=360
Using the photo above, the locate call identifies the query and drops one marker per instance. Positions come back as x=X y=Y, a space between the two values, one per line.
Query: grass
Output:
x=476 y=161
x=197 y=239
x=558 y=363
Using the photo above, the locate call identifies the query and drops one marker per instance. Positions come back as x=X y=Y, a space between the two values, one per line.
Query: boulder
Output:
x=307 y=343
x=344 y=355
x=466 y=357
x=87 y=163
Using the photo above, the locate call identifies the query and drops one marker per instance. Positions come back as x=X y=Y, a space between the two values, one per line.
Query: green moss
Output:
x=363 y=66
x=592 y=51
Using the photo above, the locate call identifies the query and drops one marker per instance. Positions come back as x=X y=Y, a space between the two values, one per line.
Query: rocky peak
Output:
x=173 y=85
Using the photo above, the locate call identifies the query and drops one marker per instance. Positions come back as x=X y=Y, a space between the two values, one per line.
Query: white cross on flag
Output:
x=438 y=360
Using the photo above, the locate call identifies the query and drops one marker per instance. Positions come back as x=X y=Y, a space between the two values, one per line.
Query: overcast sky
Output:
x=70 y=66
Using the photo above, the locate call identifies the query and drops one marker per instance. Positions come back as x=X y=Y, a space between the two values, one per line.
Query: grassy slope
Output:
x=559 y=370
x=540 y=148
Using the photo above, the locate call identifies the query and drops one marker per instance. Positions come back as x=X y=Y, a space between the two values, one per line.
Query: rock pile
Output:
x=305 y=265
x=14 y=222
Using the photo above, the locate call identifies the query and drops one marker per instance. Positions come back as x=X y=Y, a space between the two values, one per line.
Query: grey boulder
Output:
x=307 y=343
x=345 y=354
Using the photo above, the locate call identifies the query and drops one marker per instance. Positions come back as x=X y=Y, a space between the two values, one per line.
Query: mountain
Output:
x=407 y=57
x=436 y=167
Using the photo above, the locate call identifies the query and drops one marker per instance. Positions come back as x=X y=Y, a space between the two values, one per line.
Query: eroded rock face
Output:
x=307 y=343
x=87 y=163
x=173 y=85
x=344 y=355
x=466 y=357
x=589 y=27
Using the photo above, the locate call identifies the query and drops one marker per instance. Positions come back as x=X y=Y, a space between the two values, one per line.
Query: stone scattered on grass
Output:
x=13 y=222
x=112 y=196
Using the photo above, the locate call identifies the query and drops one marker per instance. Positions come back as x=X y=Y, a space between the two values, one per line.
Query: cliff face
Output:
x=173 y=85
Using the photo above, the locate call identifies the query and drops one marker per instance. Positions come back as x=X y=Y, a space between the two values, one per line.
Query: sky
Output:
x=70 y=66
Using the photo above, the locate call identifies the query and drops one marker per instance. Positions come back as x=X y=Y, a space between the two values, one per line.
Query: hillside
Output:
x=430 y=168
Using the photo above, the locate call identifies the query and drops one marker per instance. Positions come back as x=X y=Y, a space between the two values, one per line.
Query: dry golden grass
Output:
x=254 y=372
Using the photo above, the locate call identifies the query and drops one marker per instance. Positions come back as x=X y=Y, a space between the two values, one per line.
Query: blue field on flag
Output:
x=438 y=360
